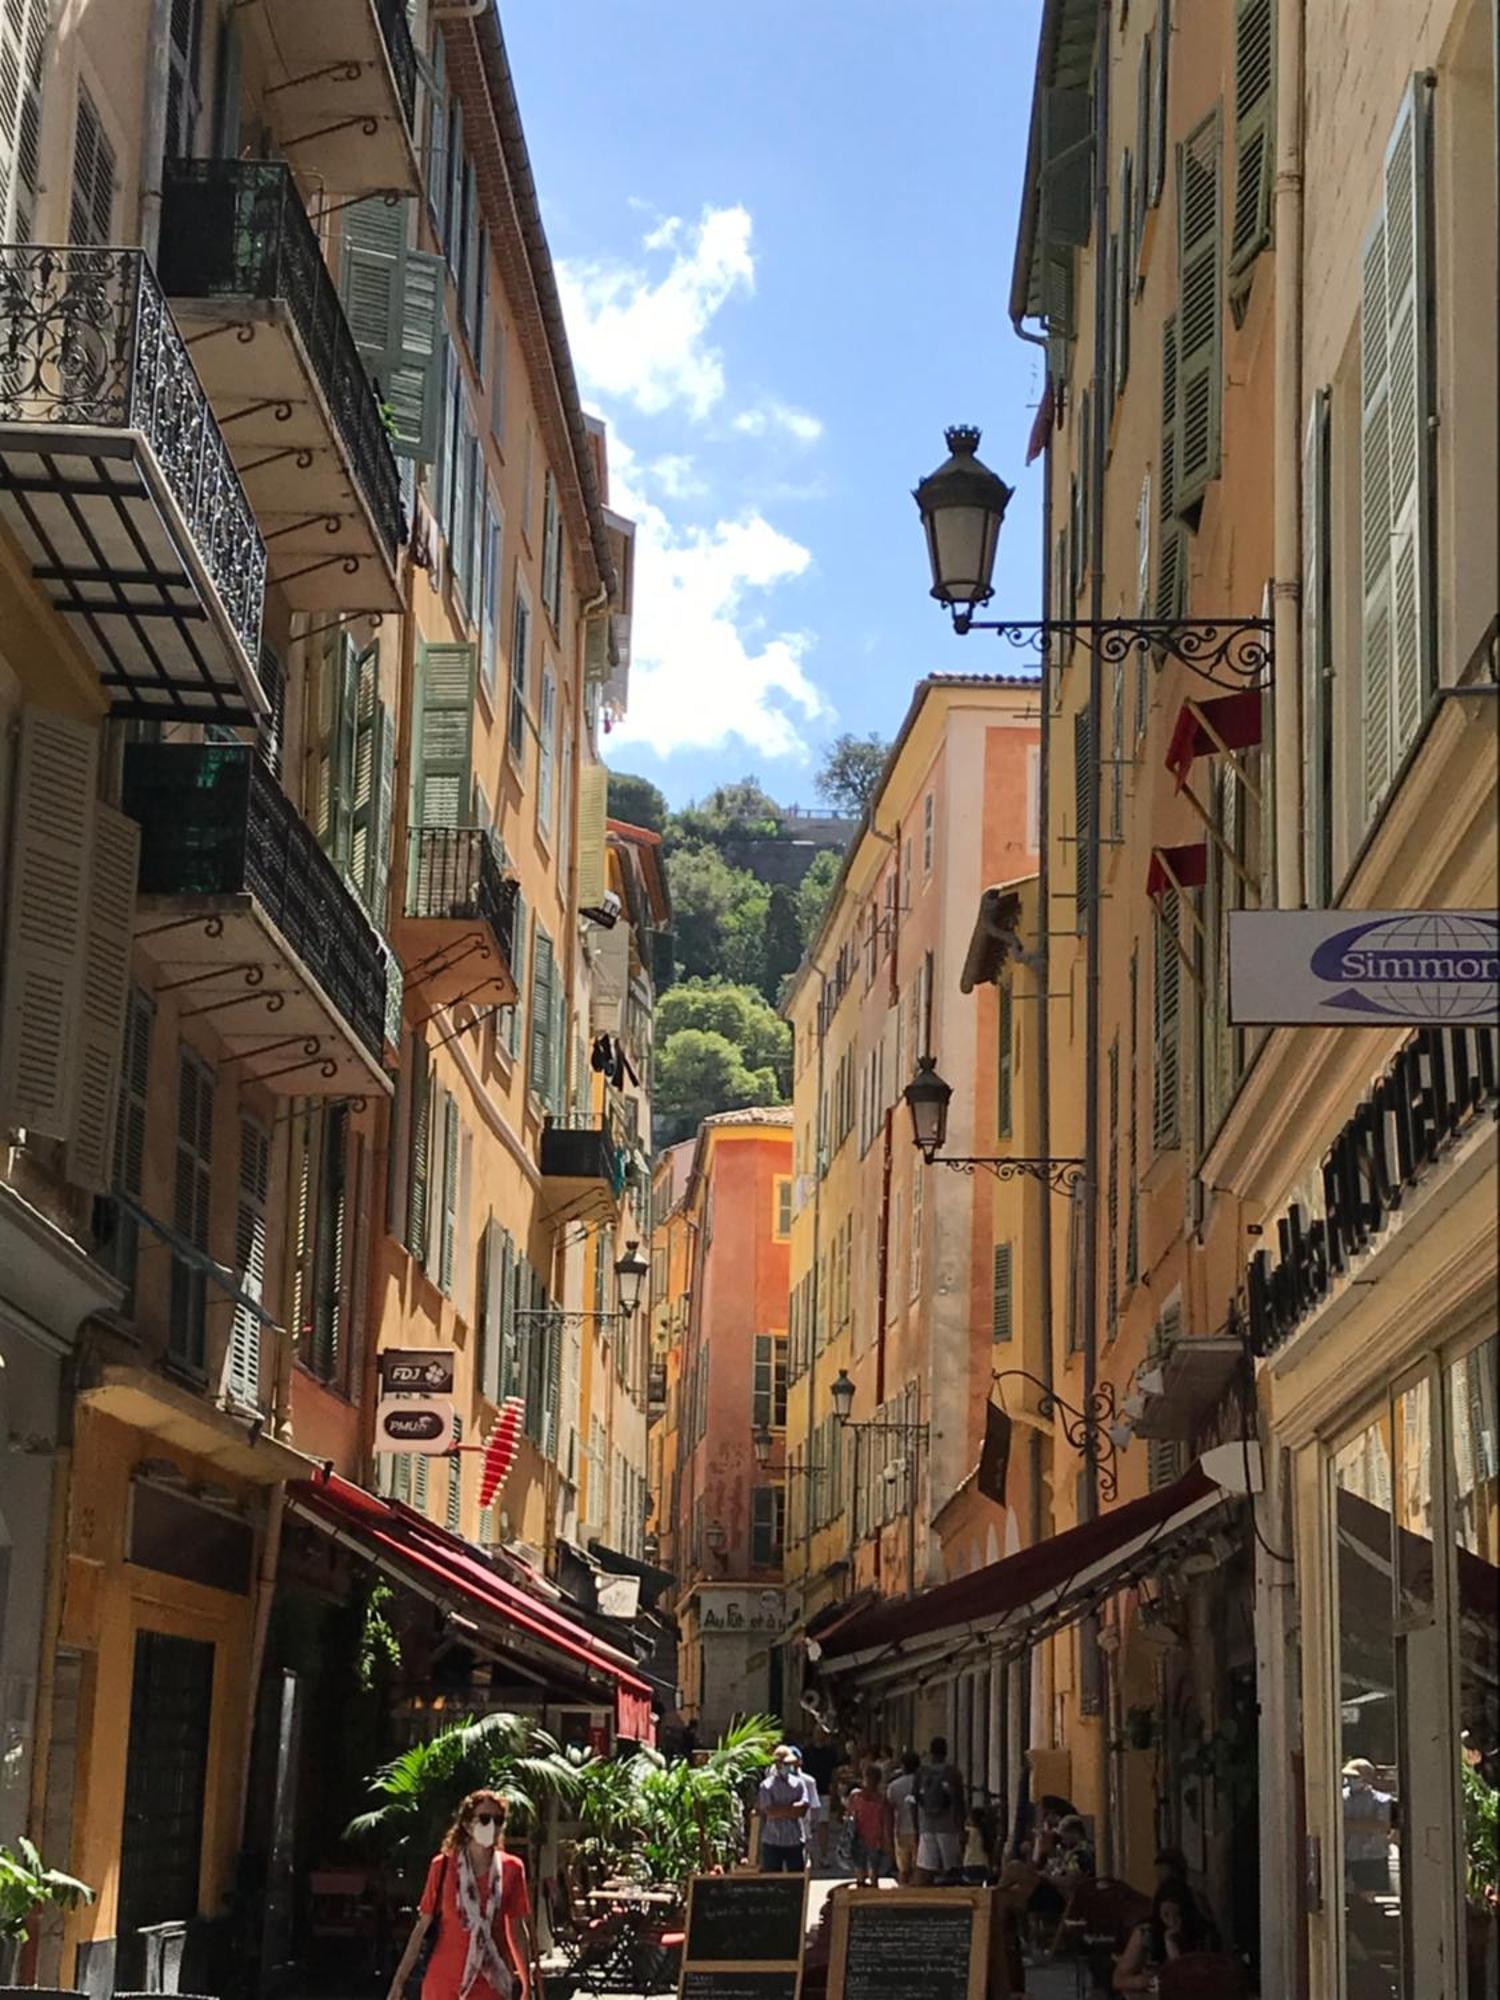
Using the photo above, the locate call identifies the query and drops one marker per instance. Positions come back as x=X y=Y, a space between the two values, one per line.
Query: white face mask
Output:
x=484 y=1836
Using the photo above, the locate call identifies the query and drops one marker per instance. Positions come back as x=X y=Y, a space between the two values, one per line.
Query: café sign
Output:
x=1363 y=968
x=1438 y=1085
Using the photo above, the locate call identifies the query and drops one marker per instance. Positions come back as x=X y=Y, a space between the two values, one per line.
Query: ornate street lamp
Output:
x=760 y=1442
x=717 y=1537
x=631 y=1272
x=962 y=505
x=927 y=1098
x=841 y=1389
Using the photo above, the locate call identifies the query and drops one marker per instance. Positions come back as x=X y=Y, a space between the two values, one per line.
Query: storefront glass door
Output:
x=1473 y=1398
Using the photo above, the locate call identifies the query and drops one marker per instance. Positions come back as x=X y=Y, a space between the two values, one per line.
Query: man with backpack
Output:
x=940 y=1814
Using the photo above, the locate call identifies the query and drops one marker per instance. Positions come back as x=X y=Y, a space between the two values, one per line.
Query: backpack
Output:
x=935 y=1799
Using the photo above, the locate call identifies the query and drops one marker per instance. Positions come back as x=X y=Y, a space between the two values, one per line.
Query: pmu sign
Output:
x=1364 y=968
x=415 y=1412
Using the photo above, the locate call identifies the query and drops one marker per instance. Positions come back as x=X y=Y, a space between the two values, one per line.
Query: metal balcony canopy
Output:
x=342 y=78
x=272 y=346
x=250 y=926
x=119 y=487
x=1195 y=1372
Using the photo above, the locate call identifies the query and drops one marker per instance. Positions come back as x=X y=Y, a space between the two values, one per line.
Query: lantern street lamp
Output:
x=962 y=505
x=717 y=1537
x=631 y=1272
x=927 y=1098
x=760 y=1442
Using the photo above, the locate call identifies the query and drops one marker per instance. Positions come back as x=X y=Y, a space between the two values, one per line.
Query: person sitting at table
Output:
x=1074 y=1854
x=1174 y=1928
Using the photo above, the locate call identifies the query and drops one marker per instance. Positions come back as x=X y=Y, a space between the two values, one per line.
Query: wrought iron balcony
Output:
x=583 y=1164
x=249 y=286
x=457 y=930
x=341 y=83
x=251 y=924
x=118 y=484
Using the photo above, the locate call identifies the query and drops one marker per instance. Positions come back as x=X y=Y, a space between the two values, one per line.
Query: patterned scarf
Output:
x=484 y=1954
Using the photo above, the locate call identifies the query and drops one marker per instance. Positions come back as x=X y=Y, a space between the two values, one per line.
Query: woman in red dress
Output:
x=476 y=1906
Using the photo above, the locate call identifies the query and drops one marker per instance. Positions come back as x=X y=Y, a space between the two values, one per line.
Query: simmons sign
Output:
x=1364 y=968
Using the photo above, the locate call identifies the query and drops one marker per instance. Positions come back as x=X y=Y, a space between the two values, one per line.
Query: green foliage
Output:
x=28 y=1885
x=699 y=1073
x=817 y=887
x=1481 y=1837
x=718 y=915
x=379 y=1649
x=850 y=771
x=637 y=801
x=673 y=1820
x=783 y=938
x=739 y=1013
x=729 y=811
x=419 y=1791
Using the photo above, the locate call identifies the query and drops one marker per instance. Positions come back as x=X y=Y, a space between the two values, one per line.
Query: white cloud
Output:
x=643 y=339
x=799 y=424
x=706 y=668
x=675 y=473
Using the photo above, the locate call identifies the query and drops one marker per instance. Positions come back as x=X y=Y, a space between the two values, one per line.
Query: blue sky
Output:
x=784 y=232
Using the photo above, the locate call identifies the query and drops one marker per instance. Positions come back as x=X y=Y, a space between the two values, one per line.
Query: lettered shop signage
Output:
x=1437 y=1086
x=415 y=1411
x=1363 y=968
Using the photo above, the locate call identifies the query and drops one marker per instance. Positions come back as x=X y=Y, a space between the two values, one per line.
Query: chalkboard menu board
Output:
x=718 y=1982
x=910 y=1944
x=745 y=1920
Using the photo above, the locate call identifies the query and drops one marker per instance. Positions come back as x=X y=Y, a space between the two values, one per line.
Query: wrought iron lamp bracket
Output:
x=1086 y=1429
x=1063 y=1176
x=1232 y=653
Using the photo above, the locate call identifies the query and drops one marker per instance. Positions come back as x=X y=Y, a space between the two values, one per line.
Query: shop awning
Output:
x=448 y=1570
x=1011 y=1604
x=1213 y=729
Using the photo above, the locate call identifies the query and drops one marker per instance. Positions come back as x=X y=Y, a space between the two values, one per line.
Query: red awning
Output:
x=1177 y=868
x=1041 y=424
x=434 y=1561
x=1052 y=1582
x=1206 y=728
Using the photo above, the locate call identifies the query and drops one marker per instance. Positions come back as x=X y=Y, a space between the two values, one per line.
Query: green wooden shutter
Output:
x=251 y=1239
x=516 y=1015
x=1254 y=131
x=1396 y=454
x=1132 y=1130
x=552 y=1385
x=448 y=1222
x=442 y=766
x=1166 y=998
x=1002 y=1321
x=420 y=1137
x=1144 y=84
x=1171 y=549
x=393 y=298
x=419 y=1482
x=549 y=546
x=508 y=1378
x=338 y=723
x=1161 y=49
x=1200 y=360
x=1067 y=133
x=1005 y=1106
x=1083 y=799
x=365 y=782
x=453 y=1516
x=1317 y=742
x=1126 y=286
x=539 y=1074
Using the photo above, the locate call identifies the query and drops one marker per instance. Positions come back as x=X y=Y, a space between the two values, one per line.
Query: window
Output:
x=766 y=1512
x=918 y=1184
x=489 y=597
x=23 y=51
x=520 y=659
x=552 y=551
x=324 y=1174
x=546 y=752
x=929 y=808
x=1001 y=1326
x=1004 y=1107
x=1254 y=140
x=768 y=1396
x=1083 y=810
x=543 y=1008
x=120 y=1230
x=783 y=1205
x=183 y=98
x=191 y=1208
x=1199 y=360
x=251 y=1240
x=1166 y=1026
x=91 y=204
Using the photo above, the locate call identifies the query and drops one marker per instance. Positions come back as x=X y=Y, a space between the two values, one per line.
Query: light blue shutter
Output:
x=442 y=764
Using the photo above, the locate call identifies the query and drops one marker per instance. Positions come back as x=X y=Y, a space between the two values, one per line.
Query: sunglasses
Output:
x=486 y=1819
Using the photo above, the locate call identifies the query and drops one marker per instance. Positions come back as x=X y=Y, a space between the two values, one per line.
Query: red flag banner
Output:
x=500 y=1449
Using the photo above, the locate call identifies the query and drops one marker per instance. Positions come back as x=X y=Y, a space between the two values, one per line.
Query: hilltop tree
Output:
x=699 y=1073
x=812 y=897
x=739 y=1014
x=719 y=915
x=783 y=939
x=637 y=801
x=850 y=771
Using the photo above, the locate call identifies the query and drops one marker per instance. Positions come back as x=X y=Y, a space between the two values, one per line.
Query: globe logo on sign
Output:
x=1440 y=965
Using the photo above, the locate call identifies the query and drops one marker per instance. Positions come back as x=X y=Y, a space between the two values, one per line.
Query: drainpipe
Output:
x=1286 y=510
x=819 y=1163
x=154 y=128
x=1090 y=1286
x=1282 y=1900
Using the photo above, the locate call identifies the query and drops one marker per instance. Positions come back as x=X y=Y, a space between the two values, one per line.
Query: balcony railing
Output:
x=584 y=1148
x=87 y=343
x=396 y=29
x=214 y=822
x=455 y=872
x=236 y=229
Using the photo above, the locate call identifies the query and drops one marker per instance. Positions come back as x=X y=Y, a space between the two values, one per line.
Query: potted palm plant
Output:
x=28 y=1886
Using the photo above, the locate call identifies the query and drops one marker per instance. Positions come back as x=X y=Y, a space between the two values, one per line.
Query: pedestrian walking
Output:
x=940 y=1814
x=902 y=1793
x=473 y=1923
x=874 y=1835
x=782 y=1803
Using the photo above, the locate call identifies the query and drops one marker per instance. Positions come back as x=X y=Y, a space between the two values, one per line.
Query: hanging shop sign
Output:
x=415 y=1411
x=1439 y=1084
x=1366 y=968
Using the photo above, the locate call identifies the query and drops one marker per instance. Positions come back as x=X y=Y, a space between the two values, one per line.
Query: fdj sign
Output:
x=1430 y=1093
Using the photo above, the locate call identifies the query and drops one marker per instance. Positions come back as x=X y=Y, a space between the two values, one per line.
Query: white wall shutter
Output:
x=251 y=1236
x=99 y=1031
x=593 y=802
x=445 y=734
x=1200 y=364
x=1396 y=454
x=23 y=50
x=546 y=752
x=1317 y=799
x=52 y=821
